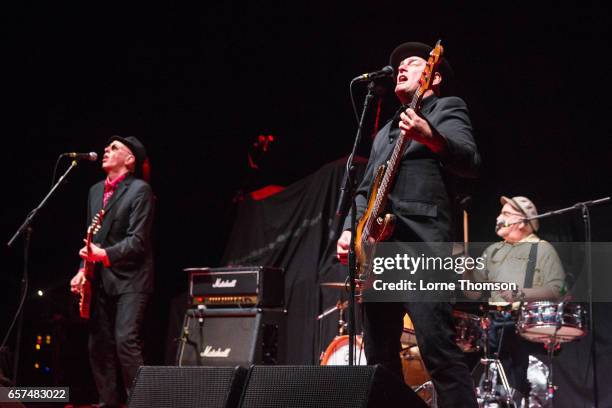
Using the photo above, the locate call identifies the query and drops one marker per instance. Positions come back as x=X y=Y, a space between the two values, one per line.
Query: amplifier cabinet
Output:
x=231 y=337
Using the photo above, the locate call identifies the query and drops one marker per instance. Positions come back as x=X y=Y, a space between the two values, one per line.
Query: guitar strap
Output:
x=531 y=263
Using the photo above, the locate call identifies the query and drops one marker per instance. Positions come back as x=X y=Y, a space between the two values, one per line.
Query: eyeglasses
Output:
x=117 y=146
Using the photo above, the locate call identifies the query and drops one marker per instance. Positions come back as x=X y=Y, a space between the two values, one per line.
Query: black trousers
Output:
x=115 y=342
x=435 y=333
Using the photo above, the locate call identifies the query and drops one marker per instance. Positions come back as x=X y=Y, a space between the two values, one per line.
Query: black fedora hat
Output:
x=409 y=49
x=137 y=148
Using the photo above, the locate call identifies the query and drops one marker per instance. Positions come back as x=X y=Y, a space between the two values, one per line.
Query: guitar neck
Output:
x=394 y=160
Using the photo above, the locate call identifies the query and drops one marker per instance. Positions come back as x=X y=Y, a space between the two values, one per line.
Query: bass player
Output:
x=440 y=143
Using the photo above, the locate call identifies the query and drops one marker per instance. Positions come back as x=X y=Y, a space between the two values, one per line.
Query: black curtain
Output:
x=296 y=229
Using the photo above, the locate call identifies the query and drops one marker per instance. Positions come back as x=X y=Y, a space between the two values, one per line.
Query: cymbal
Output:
x=337 y=285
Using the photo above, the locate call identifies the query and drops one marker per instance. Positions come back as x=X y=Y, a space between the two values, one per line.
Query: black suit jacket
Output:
x=419 y=197
x=126 y=235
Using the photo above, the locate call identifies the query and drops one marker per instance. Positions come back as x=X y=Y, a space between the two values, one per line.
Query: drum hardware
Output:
x=340 y=306
x=537 y=375
x=545 y=322
x=552 y=324
x=337 y=351
x=467 y=331
x=493 y=369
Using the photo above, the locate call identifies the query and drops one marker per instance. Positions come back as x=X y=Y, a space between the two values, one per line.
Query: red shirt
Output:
x=110 y=187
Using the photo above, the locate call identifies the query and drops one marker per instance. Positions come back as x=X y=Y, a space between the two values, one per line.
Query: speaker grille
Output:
x=308 y=386
x=231 y=337
x=184 y=387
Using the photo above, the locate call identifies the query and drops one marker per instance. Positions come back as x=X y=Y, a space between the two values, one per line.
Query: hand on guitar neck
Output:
x=415 y=127
x=94 y=254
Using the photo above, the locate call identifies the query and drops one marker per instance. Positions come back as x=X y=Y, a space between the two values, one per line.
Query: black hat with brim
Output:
x=409 y=49
x=137 y=148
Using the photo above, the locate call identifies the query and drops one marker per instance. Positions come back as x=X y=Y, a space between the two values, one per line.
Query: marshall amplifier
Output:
x=238 y=286
x=231 y=337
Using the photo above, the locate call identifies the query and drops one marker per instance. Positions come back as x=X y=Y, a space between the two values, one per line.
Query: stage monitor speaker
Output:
x=231 y=337
x=184 y=387
x=326 y=386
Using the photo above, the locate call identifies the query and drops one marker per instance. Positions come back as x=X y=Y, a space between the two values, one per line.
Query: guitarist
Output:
x=440 y=143
x=123 y=283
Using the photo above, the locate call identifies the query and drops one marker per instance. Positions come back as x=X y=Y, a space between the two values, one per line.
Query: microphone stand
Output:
x=348 y=192
x=26 y=227
x=584 y=209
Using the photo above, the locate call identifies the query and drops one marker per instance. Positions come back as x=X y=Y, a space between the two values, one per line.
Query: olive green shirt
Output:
x=506 y=262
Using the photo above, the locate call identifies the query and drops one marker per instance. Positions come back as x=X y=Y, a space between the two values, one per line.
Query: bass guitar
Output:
x=375 y=226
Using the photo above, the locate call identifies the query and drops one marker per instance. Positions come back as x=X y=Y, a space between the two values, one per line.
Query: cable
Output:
x=55 y=169
x=353 y=101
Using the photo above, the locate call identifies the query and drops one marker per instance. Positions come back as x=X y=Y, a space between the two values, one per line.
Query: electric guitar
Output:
x=88 y=268
x=374 y=226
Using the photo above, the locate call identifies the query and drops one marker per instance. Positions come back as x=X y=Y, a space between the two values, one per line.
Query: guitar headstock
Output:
x=96 y=223
x=427 y=76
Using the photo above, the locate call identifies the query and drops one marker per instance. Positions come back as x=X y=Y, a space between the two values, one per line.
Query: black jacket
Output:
x=126 y=235
x=419 y=197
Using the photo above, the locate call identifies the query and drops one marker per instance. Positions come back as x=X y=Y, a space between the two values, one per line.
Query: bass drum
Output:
x=413 y=369
x=416 y=375
x=337 y=353
x=408 y=336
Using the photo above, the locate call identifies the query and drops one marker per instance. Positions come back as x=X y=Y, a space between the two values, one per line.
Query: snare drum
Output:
x=337 y=353
x=541 y=321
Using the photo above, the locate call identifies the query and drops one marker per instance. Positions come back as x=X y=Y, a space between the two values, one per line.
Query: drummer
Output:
x=522 y=257
x=530 y=262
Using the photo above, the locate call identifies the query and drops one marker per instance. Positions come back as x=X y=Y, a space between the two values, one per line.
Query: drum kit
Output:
x=545 y=322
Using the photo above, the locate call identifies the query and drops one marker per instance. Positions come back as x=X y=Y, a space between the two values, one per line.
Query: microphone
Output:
x=91 y=156
x=385 y=72
x=506 y=224
x=501 y=224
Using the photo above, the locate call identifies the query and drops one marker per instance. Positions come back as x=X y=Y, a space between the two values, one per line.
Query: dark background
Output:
x=198 y=85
